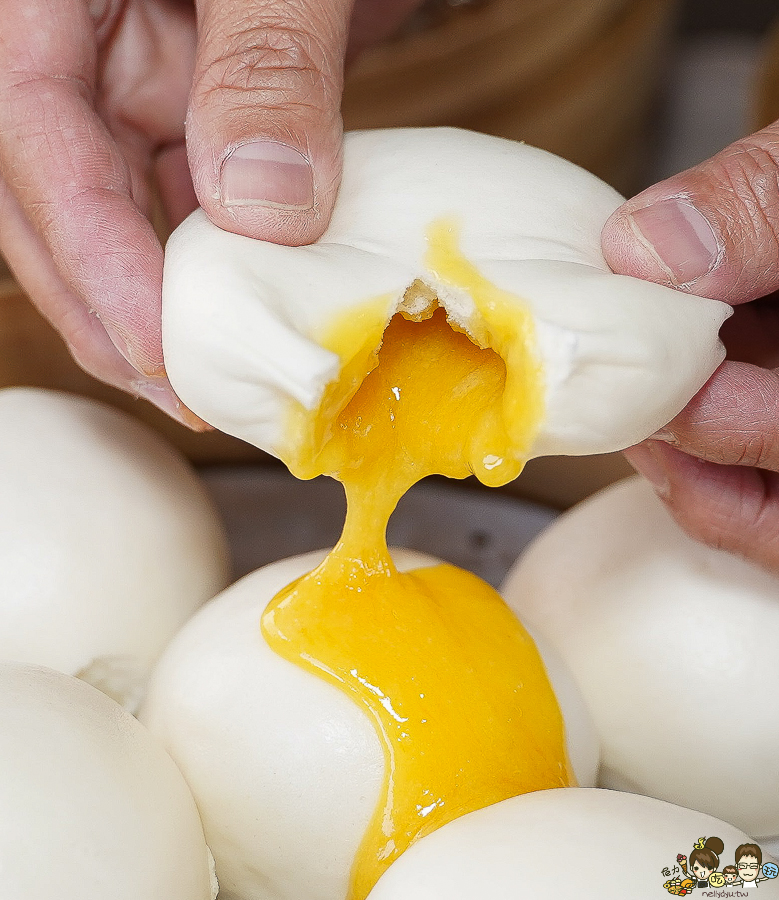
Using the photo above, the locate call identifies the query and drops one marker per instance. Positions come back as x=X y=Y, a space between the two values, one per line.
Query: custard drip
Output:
x=453 y=683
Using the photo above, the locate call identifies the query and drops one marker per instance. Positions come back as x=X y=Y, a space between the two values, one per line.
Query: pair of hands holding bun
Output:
x=94 y=97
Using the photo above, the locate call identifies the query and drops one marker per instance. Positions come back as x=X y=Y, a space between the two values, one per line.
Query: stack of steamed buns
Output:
x=152 y=741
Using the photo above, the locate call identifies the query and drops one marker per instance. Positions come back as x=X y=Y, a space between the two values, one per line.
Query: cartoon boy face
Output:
x=730 y=877
x=748 y=868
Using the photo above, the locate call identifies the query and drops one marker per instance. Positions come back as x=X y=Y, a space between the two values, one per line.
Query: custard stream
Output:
x=454 y=685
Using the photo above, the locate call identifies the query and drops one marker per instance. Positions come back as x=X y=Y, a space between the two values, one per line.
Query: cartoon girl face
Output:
x=700 y=871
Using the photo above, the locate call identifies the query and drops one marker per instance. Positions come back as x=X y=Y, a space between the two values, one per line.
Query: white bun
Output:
x=674 y=646
x=243 y=319
x=91 y=805
x=556 y=845
x=286 y=769
x=108 y=541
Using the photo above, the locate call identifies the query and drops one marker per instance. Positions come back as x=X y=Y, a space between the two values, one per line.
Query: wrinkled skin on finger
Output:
x=716 y=465
x=714 y=231
x=91 y=103
x=94 y=98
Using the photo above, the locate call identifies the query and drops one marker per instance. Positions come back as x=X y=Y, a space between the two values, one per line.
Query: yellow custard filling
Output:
x=454 y=685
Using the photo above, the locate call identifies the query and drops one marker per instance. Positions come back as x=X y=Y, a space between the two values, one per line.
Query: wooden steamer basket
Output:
x=766 y=95
x=577 y=77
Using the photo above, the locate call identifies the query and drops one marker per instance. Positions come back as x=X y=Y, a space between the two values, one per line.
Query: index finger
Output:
x=715 y=465
x=733 y=420
x=70 y=179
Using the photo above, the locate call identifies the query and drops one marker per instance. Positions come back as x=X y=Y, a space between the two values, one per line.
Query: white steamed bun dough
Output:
x=243 y=320
x=587 y=844
x=286 y=769
x=91 y=806
x=108 y=541
x=674 y=646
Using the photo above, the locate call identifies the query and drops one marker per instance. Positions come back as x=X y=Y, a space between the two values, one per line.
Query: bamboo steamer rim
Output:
x=474 y=56
x=479 y=23
x=594 y=82
x=593 y=110
x=765 y=101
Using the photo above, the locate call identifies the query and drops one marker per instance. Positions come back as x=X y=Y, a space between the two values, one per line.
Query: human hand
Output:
x=714 y=231
x=93 y=100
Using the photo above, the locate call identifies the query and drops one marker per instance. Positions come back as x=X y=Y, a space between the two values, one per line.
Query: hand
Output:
x=714 y=231
x=93 y=100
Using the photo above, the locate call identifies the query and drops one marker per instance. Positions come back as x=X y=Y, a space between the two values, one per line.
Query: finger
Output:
x=712 y=230
x=82 y=331
x=264 y=127
x=146 y=69
x=37 y=275
x=715 y=464
x=730 y=507
x=69 y=178
x=733 y=420
x=175 y=183
x=146 y=76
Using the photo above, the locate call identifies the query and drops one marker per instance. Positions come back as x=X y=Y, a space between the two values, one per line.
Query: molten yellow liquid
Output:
x=453 y=683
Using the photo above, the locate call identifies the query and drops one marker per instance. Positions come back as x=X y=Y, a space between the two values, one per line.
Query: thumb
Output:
x=264 y=128
x=712 y=230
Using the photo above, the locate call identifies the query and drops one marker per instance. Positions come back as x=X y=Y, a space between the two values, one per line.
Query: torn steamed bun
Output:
x=504 y=236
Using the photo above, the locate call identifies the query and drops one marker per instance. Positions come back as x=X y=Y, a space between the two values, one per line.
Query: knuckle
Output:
x=750 y=171
x=754 y=451
x=29 y=86
x=52 y=133
x=39 y=109
x=271 y=64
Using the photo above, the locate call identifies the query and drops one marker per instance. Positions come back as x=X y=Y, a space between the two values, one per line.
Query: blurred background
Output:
x=633 y=90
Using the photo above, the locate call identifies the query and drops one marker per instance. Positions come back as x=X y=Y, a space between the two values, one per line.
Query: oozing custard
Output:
x=453 y=683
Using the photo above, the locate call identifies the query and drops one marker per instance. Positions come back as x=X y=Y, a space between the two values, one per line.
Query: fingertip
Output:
x=626 y=252
x=264 y=130
x=727 y=507
x=622 y=251
x=693 y=490
x=160 y=393
x=94 y=350
x=710 y=230
x=646 y=461
x=145 y=359
x=270 y=190
x=669 y=241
